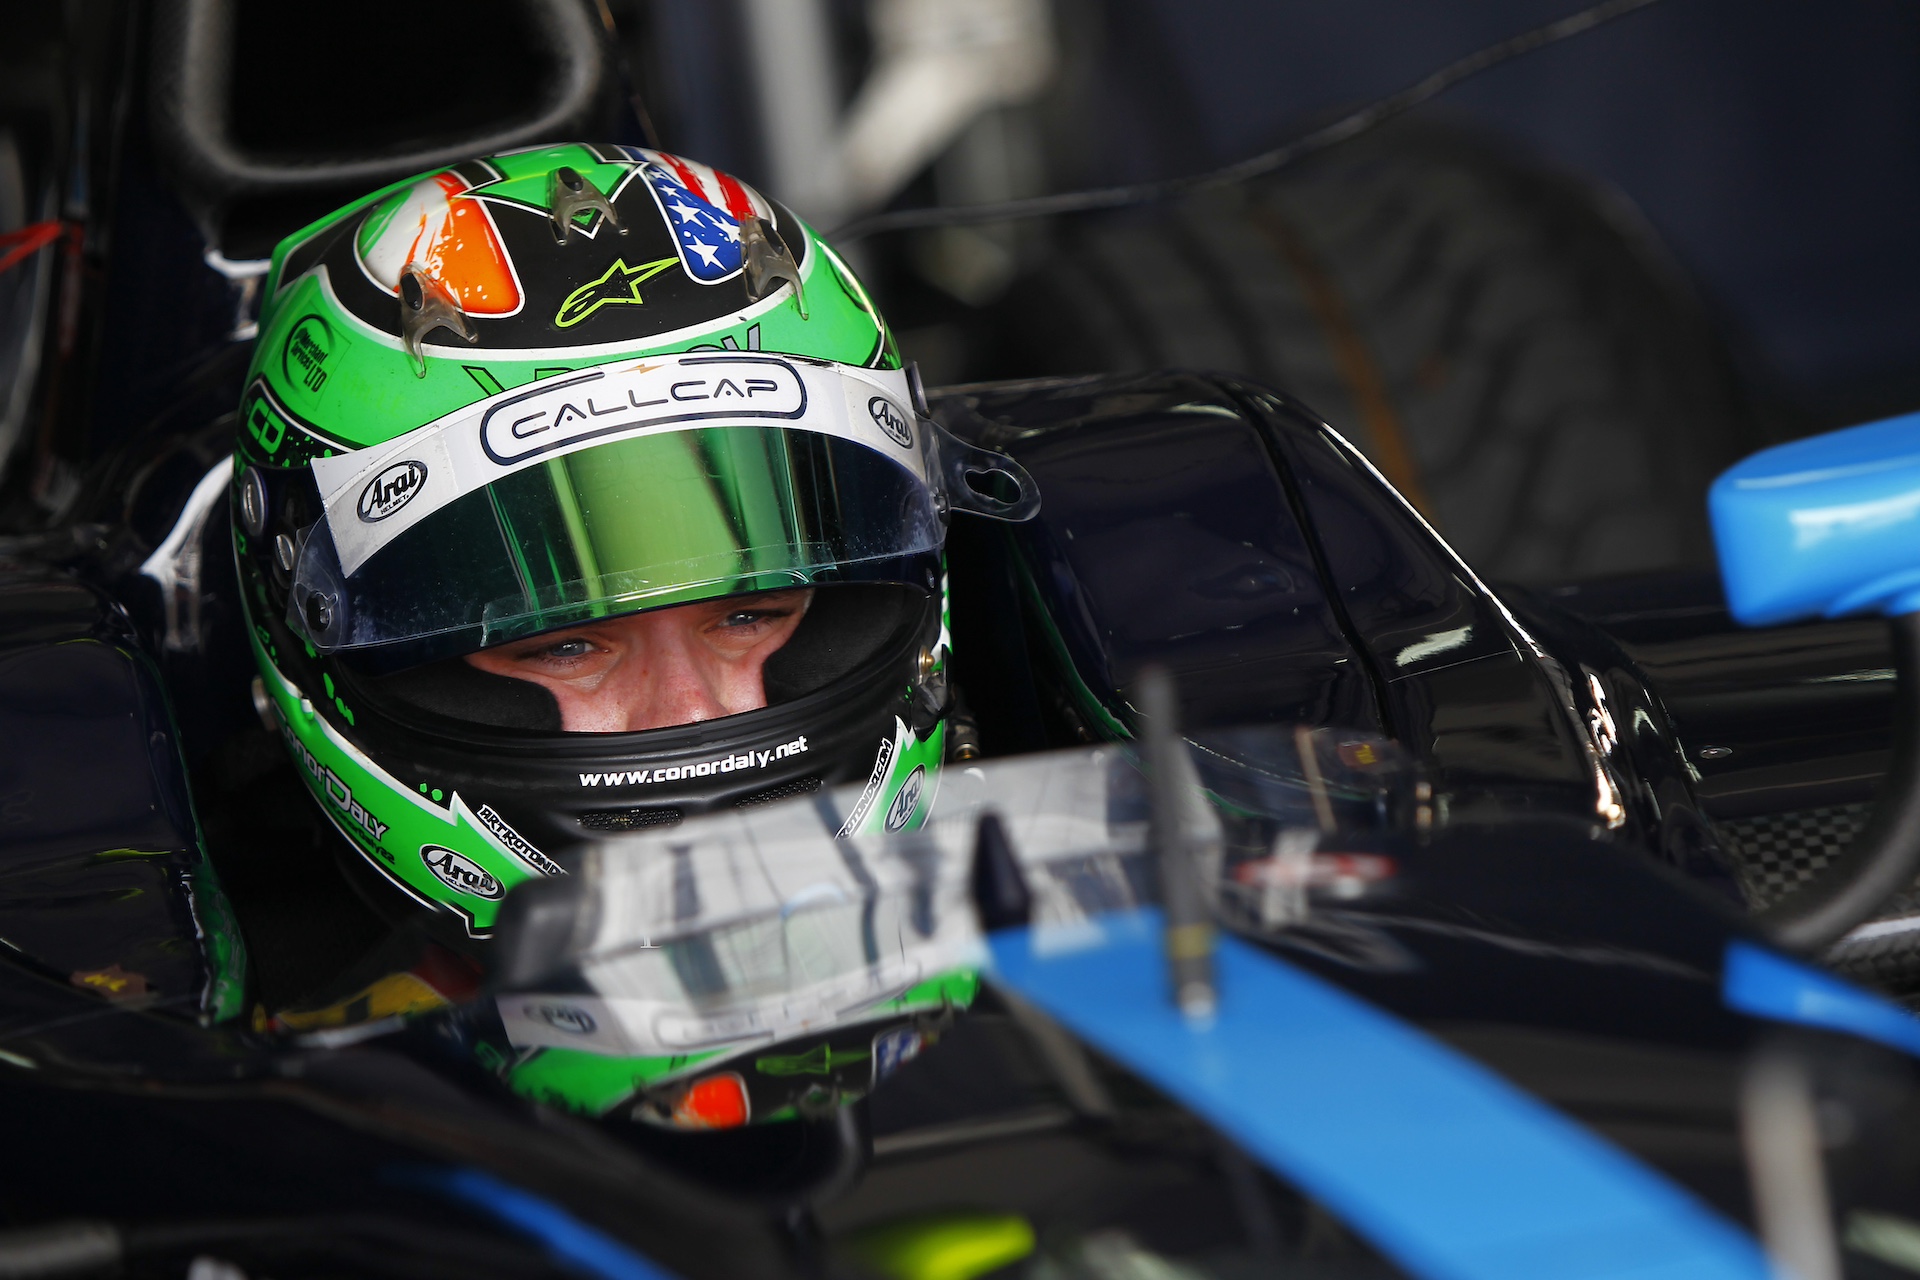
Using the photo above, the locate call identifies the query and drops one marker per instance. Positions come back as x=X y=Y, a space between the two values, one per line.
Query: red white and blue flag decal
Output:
x=704 y=207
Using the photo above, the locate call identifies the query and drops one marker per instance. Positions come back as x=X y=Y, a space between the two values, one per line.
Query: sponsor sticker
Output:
x=871 y=792
x=391 y=490
x=893 y=1048
x=517 y=844
x=571 y=1019
x=887 y=416
x=560 y=1020
x=304 y=357
x=265 y=422
x=907 y=799
x=334 y=788
x=562 y=411
x=703 y=769
x=460 y=873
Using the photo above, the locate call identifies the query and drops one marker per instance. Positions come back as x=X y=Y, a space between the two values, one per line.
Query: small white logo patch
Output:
x=459 y=872
x=565 y=1017
x=391 y=490
x=887 y=416
x=906 y=800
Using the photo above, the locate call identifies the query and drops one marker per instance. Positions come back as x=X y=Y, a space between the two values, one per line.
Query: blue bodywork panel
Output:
x=1768 y=985
x=1447 y=1168
x=1823 y=527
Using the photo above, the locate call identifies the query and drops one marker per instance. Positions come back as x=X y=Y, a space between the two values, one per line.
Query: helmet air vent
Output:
x=570 y=193
x=774 y=794
x=768 y=262
x=426 y=305
x=630 y=819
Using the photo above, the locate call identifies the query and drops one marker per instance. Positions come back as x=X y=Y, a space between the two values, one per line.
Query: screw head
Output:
x=253 y=502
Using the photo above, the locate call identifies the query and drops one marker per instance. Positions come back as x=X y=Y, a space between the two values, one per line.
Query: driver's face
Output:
x=653 y=670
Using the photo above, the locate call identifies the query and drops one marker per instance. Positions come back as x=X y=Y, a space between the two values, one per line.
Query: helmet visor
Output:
x=666 y=518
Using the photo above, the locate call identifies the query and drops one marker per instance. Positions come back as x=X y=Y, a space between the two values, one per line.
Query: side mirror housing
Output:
x=1823 y=527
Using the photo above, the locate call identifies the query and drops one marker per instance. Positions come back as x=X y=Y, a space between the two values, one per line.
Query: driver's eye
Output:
x=566 y=649
x=747 y=617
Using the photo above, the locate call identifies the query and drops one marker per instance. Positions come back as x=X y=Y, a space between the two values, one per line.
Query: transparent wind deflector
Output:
x=749 y=928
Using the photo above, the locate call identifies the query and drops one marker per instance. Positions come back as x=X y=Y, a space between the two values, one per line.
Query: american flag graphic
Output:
x=704 y=208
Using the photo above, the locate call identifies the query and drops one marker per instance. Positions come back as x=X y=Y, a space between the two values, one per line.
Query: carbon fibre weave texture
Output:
x=1777 y=852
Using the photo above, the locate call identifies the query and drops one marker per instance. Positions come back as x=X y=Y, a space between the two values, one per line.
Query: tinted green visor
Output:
x=636 y=524
x=632 y=485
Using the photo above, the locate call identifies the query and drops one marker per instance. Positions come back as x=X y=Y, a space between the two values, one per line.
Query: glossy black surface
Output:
x=147 y=1120
x=1774 y=719
x=1640 y=747
x=1165 y=536
x=103 y=879
x=1216 y=528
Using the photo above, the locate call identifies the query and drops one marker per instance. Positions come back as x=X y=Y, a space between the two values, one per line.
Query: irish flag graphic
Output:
x=433 y=225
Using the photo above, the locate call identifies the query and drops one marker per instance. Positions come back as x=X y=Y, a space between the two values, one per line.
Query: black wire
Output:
x=1368 y=117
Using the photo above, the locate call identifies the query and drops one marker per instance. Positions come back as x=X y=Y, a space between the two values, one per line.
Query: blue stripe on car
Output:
x=1769 y=985
x=565 y=1236
x=1446 y=1168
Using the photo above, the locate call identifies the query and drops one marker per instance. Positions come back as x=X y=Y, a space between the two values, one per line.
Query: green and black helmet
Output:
x=561 y=386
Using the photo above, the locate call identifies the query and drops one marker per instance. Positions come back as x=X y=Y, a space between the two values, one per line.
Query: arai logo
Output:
x=564 y=1017
x=459 y=872
x=906 y=800
x=887 y=416
x=391 y=490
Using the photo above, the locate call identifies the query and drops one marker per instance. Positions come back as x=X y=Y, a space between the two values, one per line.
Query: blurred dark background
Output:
x=1704 y=207
x=1773 y=146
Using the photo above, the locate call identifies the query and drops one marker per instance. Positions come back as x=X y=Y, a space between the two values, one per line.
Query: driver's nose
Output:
x=674 y=680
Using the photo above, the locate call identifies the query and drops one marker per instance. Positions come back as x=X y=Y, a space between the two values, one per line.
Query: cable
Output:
x=1368 y=117
x=28 y=240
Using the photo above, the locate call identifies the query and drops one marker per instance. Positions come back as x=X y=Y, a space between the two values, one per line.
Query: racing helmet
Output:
x=553 y=388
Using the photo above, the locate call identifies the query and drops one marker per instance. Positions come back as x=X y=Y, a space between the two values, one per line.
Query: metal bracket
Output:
x=768 y=263
x=426 y=305
x=569 y=192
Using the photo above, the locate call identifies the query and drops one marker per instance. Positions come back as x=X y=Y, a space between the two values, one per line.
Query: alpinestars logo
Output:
x=338 y=793
x=618 y=286
x=704 y=769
